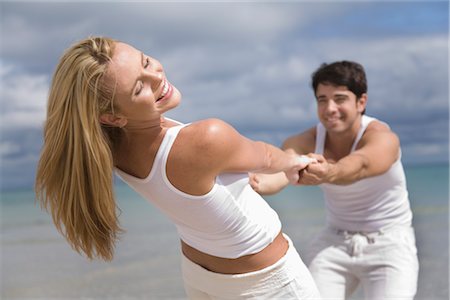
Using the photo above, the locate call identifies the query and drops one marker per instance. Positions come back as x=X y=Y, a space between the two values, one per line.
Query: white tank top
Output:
x=230 y=221
x=370 y=204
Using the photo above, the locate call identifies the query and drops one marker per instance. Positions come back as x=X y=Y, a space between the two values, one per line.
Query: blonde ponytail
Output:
x=74 y=179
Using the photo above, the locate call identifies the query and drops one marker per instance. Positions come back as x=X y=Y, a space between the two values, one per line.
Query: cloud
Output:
x=19 y=151
x=23 y=104
x=247 y=63
x=404 y=72
x=23 y=98
x=45 y=29
x=8 y=148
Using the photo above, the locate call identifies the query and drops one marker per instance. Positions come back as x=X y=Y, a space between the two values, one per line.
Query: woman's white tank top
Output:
x=370 y=204
x=230 y=221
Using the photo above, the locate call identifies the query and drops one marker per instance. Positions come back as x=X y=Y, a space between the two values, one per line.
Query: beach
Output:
x=37 y=263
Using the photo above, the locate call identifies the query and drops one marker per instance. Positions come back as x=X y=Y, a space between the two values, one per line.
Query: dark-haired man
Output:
x=368 y=237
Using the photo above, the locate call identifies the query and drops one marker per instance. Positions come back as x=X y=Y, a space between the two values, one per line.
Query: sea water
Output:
x=36 y=261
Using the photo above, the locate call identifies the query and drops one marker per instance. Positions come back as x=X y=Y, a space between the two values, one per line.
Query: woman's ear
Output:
x=112 y=120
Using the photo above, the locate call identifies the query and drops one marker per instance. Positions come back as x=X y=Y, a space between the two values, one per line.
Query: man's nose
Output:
x=331 y=105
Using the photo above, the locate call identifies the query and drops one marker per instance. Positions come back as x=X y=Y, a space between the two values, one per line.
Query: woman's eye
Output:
x=147 y=62
x=138 y=89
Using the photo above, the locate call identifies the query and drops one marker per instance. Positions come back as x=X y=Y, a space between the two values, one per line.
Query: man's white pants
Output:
x=384 y=262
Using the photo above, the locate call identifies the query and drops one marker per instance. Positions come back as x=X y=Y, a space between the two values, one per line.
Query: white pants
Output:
x=385 y=263
x=286 y=279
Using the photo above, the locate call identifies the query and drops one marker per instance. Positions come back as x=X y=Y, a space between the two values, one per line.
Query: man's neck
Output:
x=339 y=144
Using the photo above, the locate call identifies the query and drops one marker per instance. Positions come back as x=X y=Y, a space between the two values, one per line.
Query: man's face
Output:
x=337 y=107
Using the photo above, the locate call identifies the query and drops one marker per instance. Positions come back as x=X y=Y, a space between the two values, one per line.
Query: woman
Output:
x=105 y=114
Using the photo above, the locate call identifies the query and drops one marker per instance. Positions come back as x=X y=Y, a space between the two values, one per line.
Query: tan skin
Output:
x=340 y=112
x=201 y=152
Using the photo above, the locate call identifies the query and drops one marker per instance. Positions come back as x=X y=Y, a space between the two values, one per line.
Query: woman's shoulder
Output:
x=210 y=124
x=201 y=143
x=209 y=128
x=213 y=134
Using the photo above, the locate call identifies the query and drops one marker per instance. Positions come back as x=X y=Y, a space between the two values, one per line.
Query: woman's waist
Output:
x=244 y=264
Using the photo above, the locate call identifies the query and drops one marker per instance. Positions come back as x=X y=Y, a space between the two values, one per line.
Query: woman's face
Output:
x=142 y=92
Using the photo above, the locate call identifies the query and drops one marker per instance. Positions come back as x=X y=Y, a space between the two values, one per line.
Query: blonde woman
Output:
x=105 y=115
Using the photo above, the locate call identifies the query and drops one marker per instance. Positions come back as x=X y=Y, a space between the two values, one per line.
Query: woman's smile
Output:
x=166 y=91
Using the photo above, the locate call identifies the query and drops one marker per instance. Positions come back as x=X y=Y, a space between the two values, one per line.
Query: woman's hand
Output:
x=300 y=162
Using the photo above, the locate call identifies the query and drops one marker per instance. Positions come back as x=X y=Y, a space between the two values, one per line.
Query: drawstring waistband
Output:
x=359 y=239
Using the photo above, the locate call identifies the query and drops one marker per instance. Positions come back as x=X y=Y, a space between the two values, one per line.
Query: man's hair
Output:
x=341 y=73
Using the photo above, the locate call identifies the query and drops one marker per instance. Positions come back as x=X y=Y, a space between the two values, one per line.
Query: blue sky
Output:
x=248 y=63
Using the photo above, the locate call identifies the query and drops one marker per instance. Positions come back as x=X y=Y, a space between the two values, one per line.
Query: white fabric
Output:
x=384 y=262
x=368 y=204
x=230 y=221
x=286 y=279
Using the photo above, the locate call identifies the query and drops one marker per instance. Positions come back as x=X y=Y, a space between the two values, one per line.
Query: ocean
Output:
x=37 y=263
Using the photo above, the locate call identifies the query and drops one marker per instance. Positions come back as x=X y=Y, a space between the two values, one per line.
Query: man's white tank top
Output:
x=230 y=221
x=370 y=204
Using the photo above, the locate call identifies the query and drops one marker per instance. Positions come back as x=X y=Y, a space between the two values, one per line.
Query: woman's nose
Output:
x=155 y=76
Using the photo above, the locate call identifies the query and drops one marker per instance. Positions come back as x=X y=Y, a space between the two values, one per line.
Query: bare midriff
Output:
x=244 y=264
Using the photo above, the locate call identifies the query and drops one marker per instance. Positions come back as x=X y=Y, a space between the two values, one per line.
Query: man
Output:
x=368 y=237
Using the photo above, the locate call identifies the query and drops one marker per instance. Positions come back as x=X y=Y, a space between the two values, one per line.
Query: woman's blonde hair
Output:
x=74 y=179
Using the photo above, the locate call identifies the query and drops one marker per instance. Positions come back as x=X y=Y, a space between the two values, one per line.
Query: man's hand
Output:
x=268 y=184
x=316 y=172
x=302 y=161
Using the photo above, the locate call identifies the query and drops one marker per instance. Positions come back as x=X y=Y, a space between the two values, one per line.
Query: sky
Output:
x=246 y=62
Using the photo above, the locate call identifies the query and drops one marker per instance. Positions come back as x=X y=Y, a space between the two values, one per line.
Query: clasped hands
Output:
x=310 y=169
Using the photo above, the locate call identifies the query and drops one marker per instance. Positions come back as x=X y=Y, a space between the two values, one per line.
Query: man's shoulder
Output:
x=377 y=125
x=378 y=131
x=303 y=142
